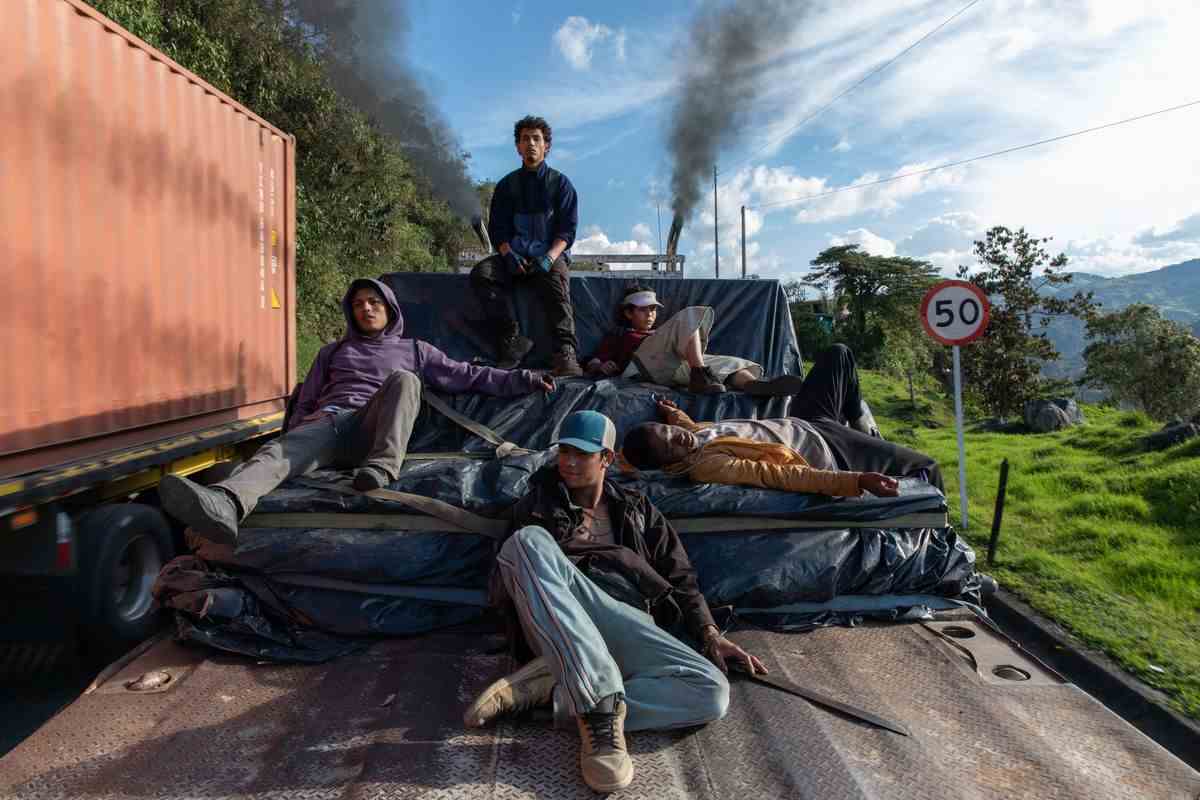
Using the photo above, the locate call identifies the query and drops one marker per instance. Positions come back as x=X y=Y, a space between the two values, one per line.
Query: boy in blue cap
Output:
x=596 y=577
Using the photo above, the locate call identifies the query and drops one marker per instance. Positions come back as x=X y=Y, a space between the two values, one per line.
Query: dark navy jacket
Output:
x=524 y=214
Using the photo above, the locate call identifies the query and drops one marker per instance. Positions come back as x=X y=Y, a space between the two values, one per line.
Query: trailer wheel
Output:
x=128 y=544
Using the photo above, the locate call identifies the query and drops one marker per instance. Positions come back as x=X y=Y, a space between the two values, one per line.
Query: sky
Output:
x=1004 y=73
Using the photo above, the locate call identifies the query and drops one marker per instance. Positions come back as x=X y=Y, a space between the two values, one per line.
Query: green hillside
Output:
x=1173 y=290
x=1100 y=536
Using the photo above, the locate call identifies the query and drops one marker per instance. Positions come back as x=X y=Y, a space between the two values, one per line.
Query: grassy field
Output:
x=1098 y=535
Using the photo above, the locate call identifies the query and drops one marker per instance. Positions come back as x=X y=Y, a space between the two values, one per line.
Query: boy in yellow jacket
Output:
x=786 y=454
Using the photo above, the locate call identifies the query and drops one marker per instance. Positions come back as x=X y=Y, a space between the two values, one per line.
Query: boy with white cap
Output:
x=596 y=575
x=675 y=353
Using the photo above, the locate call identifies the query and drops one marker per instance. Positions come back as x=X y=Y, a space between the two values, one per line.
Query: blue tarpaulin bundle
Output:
x=841 y=559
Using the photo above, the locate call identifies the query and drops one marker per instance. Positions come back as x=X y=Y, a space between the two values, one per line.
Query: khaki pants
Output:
x=661 y=356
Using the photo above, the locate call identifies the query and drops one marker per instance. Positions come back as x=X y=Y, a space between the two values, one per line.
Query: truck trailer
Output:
x=148 y=314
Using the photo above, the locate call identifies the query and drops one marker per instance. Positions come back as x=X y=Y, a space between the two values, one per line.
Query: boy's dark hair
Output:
x=636 y=447
x=630 y=288
x=529 y=121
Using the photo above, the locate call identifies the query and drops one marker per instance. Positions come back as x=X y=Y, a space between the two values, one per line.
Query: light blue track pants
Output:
x=597 y=646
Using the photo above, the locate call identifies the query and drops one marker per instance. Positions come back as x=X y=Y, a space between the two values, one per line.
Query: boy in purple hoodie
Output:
x=356 y=408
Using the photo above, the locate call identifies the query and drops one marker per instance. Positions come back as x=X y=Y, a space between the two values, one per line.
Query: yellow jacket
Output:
x=744 y=462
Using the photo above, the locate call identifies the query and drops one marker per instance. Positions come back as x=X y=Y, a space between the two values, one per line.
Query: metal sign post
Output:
x=962 y=450
x=955 y=313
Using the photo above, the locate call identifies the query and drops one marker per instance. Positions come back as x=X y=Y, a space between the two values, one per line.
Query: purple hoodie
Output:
x=347 y=372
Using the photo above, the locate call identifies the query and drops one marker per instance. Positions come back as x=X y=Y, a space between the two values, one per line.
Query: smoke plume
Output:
x=364 y=43
x=725 y=50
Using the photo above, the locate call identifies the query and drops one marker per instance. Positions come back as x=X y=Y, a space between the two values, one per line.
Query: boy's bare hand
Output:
x=879 y=485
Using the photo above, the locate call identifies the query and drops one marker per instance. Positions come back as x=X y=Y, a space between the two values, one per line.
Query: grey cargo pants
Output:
x=375 y=435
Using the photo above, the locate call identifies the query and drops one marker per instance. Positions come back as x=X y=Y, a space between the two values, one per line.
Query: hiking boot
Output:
x=529 y=687
x=566 y=363
x=782 y=386
x=702 y=380
x=368 y=478
x=603 y=758
x=513 y=349
x=210 y=512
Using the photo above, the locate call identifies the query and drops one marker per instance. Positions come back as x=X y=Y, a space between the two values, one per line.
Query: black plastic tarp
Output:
x=752 y=319
x=296 y=594
x=488 y=487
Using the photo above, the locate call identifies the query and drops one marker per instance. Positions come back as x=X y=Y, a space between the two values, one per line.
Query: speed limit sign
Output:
x=955 y=312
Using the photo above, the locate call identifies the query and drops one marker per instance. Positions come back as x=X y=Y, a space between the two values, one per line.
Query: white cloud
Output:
x=867 y=241
x=947 y=233
x=595 y=242
x=843 y=146
x=642 y=233
x=577 y=37
x=1186 y=231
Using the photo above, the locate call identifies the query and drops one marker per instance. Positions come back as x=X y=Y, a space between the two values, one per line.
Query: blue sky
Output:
x=1006 y=72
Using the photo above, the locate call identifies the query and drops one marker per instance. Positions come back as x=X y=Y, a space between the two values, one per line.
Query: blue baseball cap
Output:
x=589 y=431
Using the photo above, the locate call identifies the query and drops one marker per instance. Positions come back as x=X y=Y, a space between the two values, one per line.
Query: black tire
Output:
x=127 y=545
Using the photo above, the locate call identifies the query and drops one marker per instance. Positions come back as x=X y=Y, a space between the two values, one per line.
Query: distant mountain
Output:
x=1174 y=290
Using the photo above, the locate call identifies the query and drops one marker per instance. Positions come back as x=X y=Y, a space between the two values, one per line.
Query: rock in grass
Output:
x=1171 y=435
x=1045 y=416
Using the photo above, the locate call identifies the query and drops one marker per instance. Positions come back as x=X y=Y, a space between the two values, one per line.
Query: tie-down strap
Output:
x=503 y=448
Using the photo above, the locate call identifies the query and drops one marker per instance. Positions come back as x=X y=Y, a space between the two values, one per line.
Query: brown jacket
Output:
x=744 y=462
x=646 y=567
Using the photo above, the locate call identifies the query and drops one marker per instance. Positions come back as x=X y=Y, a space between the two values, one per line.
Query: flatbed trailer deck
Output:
x=386 y=723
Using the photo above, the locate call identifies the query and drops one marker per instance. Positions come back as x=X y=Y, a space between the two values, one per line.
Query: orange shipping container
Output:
x=148 y=226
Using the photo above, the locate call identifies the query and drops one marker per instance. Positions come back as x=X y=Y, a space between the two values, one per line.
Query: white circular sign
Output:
x=955 y=312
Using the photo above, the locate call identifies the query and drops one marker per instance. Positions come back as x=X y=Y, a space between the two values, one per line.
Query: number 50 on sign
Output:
x=954 y=313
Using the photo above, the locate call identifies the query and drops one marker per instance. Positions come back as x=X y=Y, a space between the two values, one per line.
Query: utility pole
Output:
x=743 y=242
x=716 y=226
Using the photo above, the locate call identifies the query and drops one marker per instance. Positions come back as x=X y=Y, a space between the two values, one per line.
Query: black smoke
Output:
x=724 y=53
x=364 y=44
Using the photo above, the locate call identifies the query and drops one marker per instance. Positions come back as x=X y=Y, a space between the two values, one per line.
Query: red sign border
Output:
x=987 y=311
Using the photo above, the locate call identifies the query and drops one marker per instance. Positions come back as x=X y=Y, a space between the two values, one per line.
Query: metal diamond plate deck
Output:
x=386 y=724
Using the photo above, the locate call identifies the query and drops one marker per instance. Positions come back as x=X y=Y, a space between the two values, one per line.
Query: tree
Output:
x=880 y=292
x=1140 y=358
x=1003 y=368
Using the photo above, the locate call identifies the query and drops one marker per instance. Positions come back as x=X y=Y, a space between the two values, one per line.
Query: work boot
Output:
x=782 y=386
x=702 y=380
x=529 y=687
x=513 y=349
x=603 y=757
x=368 y=478
x=566 y=363
x=210 y=512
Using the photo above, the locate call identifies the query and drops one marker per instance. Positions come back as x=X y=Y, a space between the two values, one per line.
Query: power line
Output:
x=975 y=158
x=861 y=81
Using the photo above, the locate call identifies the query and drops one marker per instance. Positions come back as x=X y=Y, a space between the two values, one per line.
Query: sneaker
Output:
x=702 y=380
x=210 y=512
x=513 y=349
x=529 y=687
x=603 y=757
x=368 y=478
x=782 y=386
x=566 y=363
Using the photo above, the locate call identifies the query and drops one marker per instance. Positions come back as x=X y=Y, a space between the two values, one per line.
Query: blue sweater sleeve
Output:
x=566 y=214
x=500 y=214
